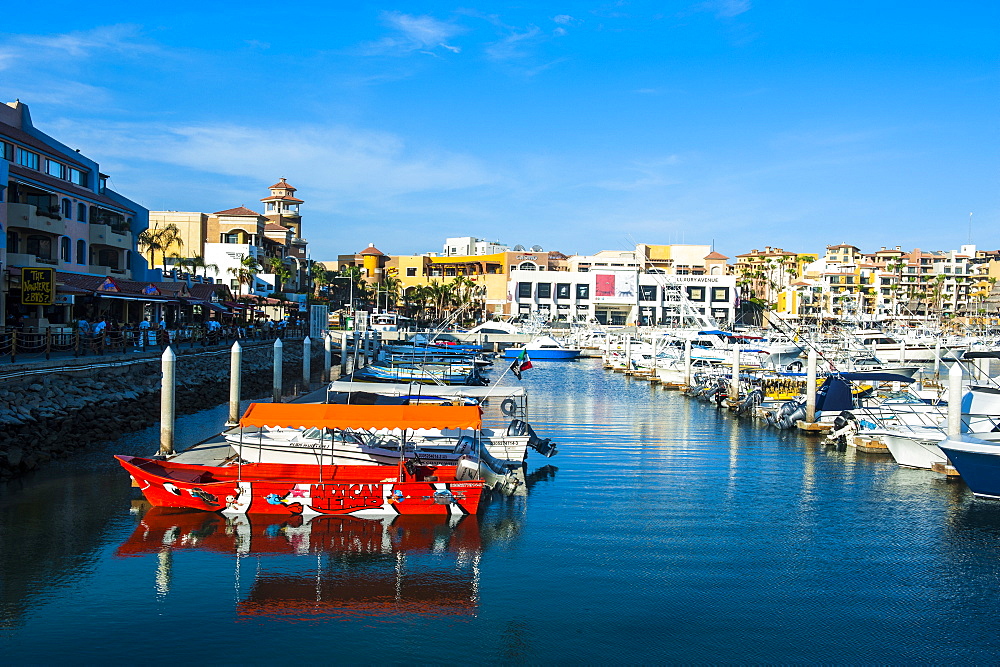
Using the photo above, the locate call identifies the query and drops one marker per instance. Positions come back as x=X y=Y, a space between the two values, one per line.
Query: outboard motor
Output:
x=789 y=413
x=543 y=446
x=844 y=426
x=750 y=402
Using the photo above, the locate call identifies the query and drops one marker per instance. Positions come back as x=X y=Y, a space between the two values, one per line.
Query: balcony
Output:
x=30 y=261
x=26 y=216
x=110 y=236
x=98 y=270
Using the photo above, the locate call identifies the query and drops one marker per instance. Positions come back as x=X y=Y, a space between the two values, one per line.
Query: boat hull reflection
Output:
x=395 y=565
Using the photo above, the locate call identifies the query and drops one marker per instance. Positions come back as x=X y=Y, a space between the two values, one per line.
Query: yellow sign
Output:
x=38 y=287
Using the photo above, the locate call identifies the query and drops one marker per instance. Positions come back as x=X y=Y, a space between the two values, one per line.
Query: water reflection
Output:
x=403 y=564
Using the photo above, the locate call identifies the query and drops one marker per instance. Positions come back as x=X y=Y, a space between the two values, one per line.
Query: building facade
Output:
x=58 y=212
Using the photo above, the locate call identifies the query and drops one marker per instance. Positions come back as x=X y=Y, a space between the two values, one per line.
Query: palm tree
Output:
x=197 y=262
x=320 y=277
x=245 y=271
x=157 y=240
x=391 y=285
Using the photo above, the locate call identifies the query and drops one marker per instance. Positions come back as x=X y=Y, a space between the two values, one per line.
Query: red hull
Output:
x=303 y=489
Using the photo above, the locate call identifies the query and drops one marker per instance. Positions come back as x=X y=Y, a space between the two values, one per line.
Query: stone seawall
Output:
x=71 y=404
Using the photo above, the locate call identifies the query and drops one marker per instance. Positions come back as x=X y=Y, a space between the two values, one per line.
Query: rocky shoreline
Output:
x=51 y=415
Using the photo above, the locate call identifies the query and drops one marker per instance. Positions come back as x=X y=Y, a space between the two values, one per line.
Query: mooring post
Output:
x=687 y=362
x=955 y=399
x=937 y=356
x=734 y=383
x=811 y=386
x=628 y=352
x=276 y=393
x=235 y=379
x=306 y=363
x=327 y=357
x=343 y=353
x=168 y=367
x=902 y=351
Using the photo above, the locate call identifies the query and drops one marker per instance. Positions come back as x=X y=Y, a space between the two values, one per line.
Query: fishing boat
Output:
x=239 y=487
x=543 y=347
x=977 y=459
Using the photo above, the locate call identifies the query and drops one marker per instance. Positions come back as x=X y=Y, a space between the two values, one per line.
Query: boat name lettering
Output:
x=337 y=497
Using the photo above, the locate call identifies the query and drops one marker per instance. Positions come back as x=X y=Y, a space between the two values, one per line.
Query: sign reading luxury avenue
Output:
x=38 y=286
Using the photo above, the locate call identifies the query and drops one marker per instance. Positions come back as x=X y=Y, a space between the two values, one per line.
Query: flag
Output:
x=515 y=367
x=525 y=361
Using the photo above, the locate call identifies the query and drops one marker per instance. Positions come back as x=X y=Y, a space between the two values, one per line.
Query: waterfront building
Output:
x=470 y=245
x=621 y=293
x=764 y=273
x=57 y=211
x=228 y=240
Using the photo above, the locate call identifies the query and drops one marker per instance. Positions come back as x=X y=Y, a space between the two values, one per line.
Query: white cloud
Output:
x=413 y=33
x=514 y=45
x=726 y=8
x=564 y=19
x=81 y=44
x=337 y=163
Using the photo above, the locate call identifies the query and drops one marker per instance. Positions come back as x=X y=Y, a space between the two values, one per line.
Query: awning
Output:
x=293 y=415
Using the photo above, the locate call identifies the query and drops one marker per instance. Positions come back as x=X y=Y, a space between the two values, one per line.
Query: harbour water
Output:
x=663 y=531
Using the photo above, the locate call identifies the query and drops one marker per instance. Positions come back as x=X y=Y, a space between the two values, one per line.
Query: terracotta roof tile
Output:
x=283 y=198
x=239 y=211
x=715 y=255
x=282 y=184
x=371 y=250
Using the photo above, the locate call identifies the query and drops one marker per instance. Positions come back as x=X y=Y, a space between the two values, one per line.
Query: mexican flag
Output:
x=521 y=363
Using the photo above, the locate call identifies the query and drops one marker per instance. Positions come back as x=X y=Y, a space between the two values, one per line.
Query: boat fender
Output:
x=508 y=407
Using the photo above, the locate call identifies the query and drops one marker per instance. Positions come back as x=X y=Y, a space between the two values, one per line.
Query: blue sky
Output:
x=576 y=126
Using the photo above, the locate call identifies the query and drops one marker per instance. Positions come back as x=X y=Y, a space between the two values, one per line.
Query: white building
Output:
x=621 y=294
x=464 y=246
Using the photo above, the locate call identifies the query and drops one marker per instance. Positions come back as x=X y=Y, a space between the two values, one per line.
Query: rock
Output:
x=14 y=456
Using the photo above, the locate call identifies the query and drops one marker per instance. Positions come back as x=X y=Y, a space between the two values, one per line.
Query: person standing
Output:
x=83 y=331
x=144 y=333
x=100 y=328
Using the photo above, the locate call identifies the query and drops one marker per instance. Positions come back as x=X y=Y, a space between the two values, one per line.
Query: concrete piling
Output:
x=306 y=363
x=276 y=393
x=168 y=386
x=235 y=380
x=327 y=357
x=811 y=386
x=955 y=399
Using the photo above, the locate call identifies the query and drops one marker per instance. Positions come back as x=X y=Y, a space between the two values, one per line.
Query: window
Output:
x=528 y=266
x=40 y=246
x=78 y=177
x=67 y=209
x=81 y=212
x=27 y=158
x=720 y=294
x=53 y=168
x=411 y=272
x=81 y=252
x=64 y=249
x=647 y=292
x=583 y=291
x=696 y=293
x=524 y=290
x=6 y=151
x=103 y=184
x=849 y=280
x=12 y=242
x=544 y=290
x=230 y=238
x=562 y=290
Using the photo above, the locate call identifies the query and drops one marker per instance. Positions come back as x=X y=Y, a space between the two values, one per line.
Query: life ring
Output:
x=508 y=407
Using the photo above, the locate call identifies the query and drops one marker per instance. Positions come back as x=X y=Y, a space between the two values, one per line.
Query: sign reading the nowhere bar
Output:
x=38 y=286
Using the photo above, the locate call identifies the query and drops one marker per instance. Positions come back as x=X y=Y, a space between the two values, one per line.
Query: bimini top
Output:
x=372 y=417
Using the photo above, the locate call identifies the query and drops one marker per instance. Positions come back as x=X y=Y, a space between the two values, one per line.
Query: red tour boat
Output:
x=412 y=487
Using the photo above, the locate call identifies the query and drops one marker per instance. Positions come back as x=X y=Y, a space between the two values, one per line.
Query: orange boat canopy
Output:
x=371 y=417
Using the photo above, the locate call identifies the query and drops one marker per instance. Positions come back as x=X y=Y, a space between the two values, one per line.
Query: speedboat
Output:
x=543 y=347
